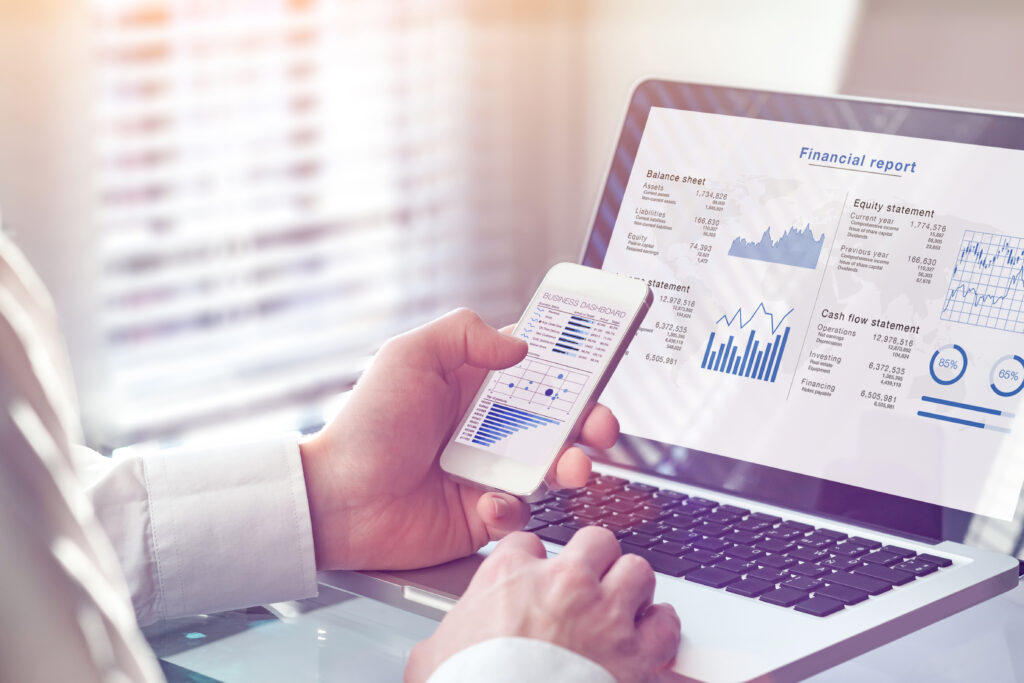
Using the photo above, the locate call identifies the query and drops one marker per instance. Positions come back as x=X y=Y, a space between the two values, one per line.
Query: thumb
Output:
x=462 y=337
x=492 y=515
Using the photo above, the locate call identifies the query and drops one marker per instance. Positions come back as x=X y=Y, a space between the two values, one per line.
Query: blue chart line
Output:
x=965 y=406
x=504 y=421
x=960 y=421
x=573 y=335
x=798 y=248
x=760 y=358
x=986 y=288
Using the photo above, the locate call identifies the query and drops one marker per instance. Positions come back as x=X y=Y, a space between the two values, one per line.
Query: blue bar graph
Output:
x=502 y=421
x=572 y=336
x=749 y=358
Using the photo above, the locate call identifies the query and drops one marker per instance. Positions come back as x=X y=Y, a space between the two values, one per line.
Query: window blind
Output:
x=279 y=186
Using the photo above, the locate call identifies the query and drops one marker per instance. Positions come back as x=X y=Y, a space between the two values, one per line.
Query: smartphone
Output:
x=578 y=326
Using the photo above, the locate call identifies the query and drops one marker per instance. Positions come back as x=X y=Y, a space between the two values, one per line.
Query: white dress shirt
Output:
x=83 y=538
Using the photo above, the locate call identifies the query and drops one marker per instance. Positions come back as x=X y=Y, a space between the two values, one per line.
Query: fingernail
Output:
x=500 y=507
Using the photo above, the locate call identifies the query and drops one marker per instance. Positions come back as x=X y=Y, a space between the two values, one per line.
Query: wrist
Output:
x=312 y=456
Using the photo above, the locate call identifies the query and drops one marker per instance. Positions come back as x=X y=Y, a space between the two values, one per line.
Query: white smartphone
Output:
x=578 y=326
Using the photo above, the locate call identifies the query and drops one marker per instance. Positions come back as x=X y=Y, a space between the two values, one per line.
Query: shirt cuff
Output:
x=511 y=660
x=230 y=527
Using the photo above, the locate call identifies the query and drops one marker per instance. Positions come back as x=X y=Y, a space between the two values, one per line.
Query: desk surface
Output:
x=341 y=637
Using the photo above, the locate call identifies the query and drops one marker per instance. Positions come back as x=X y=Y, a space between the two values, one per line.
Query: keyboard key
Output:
x=650 y=512
x=653 y=528
x=715 y=545
x=881 y=557
x=712 y=529
x=551 y=516
x=915 y=567
x=799 y=526
x=618 y=521
x=621 y=505
x=627 y=493
x=569 y=493
x=607 y=483
x=732 y=509
x=774 y=545
x=736 y=565
x=639 y=539
x=710 y=576
x=661 y=502
x=901 y=552
x=720 y=517
x=802 y=583
x=589 y=513
x=593 y=498
x=669 y=548
x=763 y=517
x=681 y=536
x=750 y=588
x=816 y=541
x=768 y=574
x=784 y=533
x=809 y=570
x=556 y=534
x=673 y=566
x=895 y=576
x=784 y=597
x=849 y=549
x=838 y=563
x=935 y=559
x=680 y=520
x=642 y=487
x=753 y=525
x=703 y=501
x=868 y=584
x=849 y=596
x=866 y=542
x=575 y=523
x=819 y=606
x=705 y=557
x=835 y=535
x=534 y=524
x=744 y=537
x=674 y=496
x=691 y=508
x=776 y=561
x=807 y=554
x=744 y=552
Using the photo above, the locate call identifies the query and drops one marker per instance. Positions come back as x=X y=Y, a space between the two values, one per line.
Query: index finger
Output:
x=594 y=547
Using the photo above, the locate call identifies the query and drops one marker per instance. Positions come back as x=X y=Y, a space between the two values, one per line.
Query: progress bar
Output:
x=966 y=406
x=966 y=423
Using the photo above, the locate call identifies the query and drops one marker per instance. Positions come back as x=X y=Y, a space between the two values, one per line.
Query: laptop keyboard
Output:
x=790 y=564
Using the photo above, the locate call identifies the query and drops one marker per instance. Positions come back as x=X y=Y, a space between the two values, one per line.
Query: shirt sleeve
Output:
x=206 y=529
x=512 y=660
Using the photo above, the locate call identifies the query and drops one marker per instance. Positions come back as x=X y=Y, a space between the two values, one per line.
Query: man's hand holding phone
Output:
x=378 y=497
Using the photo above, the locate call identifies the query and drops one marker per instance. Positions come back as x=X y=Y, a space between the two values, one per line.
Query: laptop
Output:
x=824 y=393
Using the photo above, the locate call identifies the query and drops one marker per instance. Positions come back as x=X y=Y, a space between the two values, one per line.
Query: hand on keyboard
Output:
x=590 y=599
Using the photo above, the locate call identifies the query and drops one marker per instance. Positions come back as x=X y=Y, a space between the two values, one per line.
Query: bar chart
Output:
x=497 y=422
x=572 y=336
x=758 y=357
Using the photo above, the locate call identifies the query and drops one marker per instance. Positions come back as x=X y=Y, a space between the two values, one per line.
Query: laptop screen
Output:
x=839 y=295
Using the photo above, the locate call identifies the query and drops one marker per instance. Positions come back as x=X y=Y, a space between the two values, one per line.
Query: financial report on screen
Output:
x=840 y=304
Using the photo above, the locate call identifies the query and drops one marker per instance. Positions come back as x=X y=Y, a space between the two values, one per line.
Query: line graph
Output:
x=798 y=248
x=986 y=288
x=760 y=308
x=760 y=358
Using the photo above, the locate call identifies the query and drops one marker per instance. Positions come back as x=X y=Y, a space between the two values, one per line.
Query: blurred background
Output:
x=234 y=202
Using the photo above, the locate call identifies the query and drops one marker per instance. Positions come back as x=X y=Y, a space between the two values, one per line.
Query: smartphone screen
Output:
x=526 y=411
